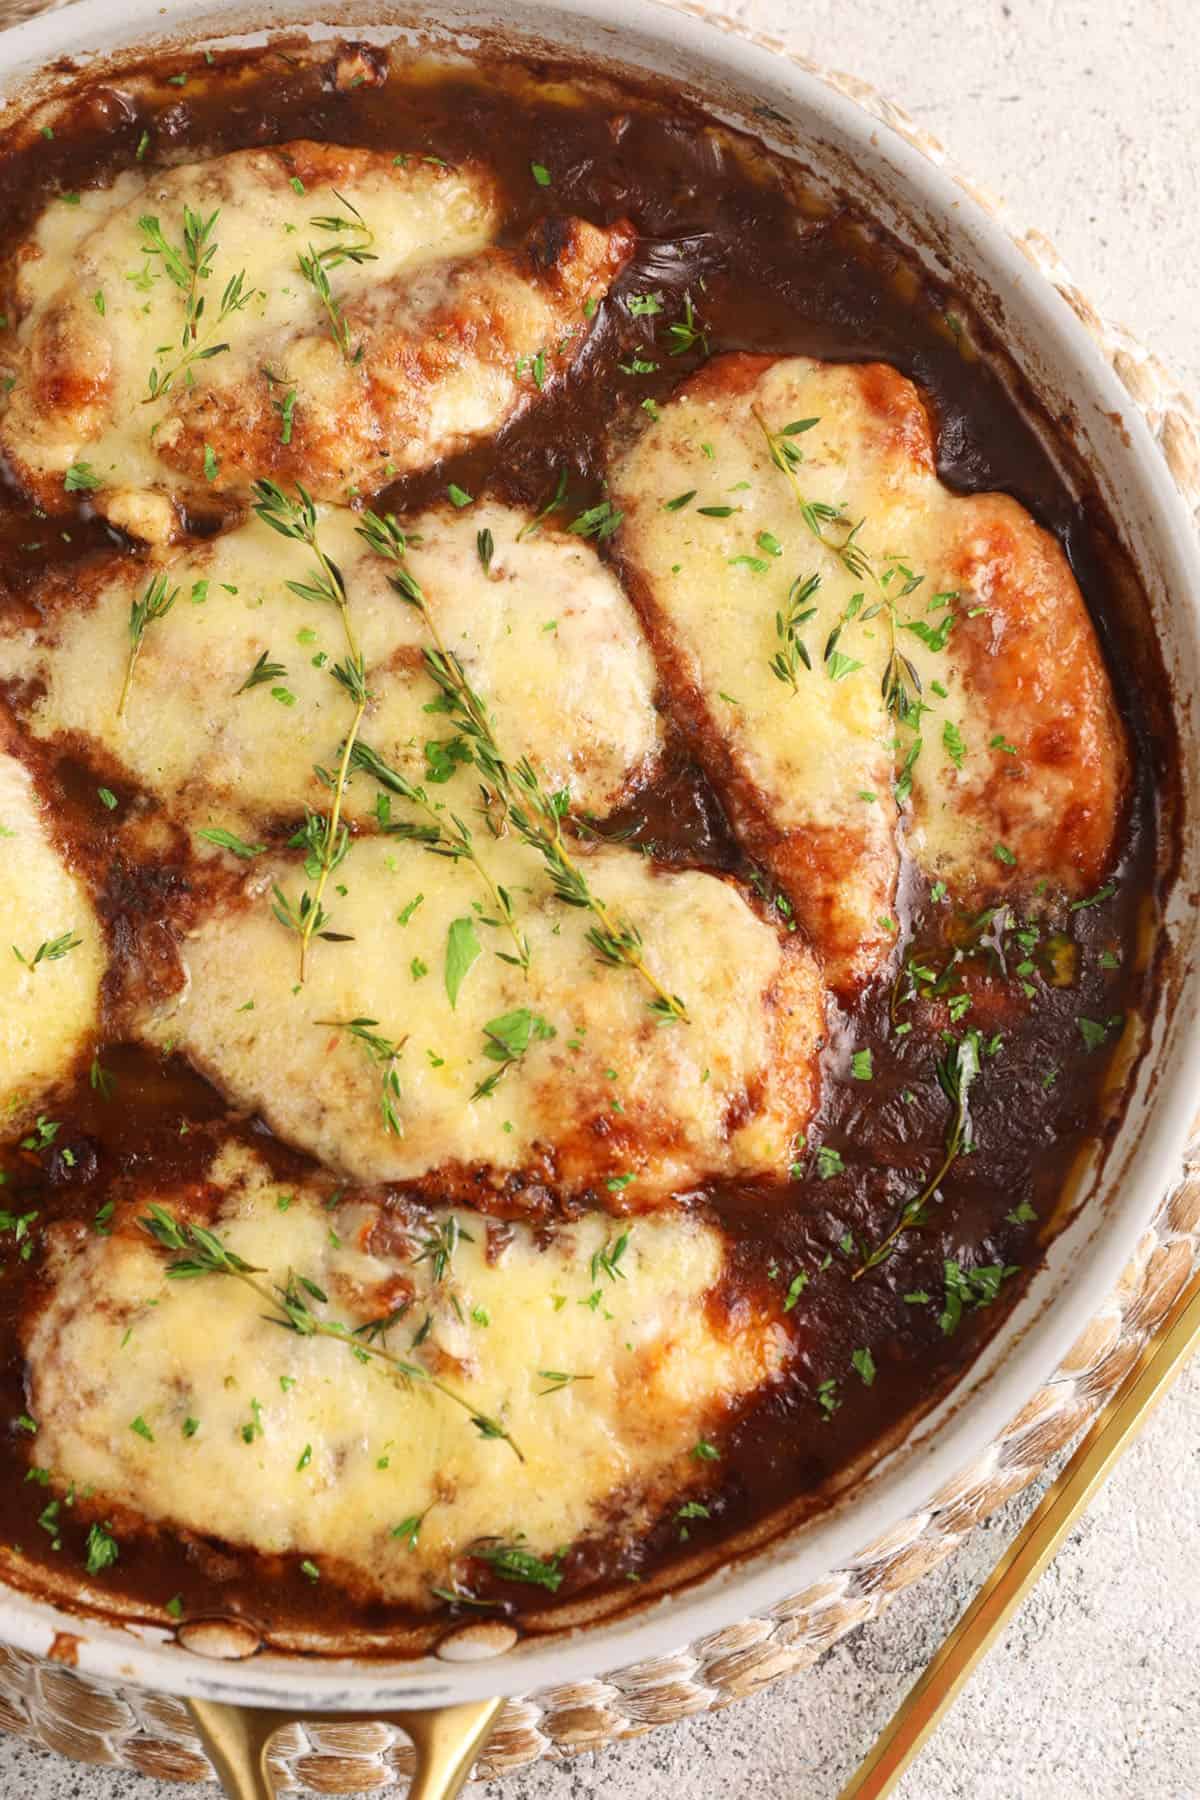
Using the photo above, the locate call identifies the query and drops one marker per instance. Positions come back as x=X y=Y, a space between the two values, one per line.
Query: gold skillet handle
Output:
x=447 y=1740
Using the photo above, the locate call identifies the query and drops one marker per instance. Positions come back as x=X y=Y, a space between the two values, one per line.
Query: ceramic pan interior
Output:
x=799 y=113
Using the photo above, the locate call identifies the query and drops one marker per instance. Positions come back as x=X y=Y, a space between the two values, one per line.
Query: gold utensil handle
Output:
x=447 y=1740
x=1028 y=1554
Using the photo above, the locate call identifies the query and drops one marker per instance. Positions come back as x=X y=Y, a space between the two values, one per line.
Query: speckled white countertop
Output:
x=1085 y=115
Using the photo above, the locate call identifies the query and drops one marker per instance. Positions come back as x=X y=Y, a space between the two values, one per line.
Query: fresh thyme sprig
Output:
x=511 y=1562
x=446 y=835
x=797 y=612
x=313 y=270
x=536 y=816
x=616 y=941
x=956 y=1072
x=837 y=664
x=297 y=519
x=199 y=1251
x=900 y=685
x=558 y=1379
x=548 y=506
x=188 y=268
x=264 y=670
x=439 y=1247
x=49 y=950
x=464 y=705
x=787 y=456
x=154 y=605
x=358 y=250
x=385 y=1053
x=685 y=334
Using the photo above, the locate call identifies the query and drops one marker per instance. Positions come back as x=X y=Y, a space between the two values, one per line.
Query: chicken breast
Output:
x=233 y=706
x=428 y=362
x=310 y=312
x=864 y=658
x=417 y=1047
x=293 y=1446
x=52 y=953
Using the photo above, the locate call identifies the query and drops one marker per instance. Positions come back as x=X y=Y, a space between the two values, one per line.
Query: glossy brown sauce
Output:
x=727 y=232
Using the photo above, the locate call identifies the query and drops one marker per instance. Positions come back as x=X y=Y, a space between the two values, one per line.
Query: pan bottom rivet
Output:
x=477 y=1641
x=230 y=1640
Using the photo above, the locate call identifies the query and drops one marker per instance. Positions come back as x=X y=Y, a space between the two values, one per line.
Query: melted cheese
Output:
x=83 y=373
x=810 y=773
x=613 y=1096
x=416 y=349
x=548 y=636
x=49 y=1010
x=299 y=1449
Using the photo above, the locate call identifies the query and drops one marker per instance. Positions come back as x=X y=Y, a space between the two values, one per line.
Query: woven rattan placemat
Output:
x=130 y=1728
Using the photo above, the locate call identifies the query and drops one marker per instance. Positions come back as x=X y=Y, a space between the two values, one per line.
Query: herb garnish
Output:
x=797 y=612
x=229 y=840
x=901 y=683
x=599 y=521
x=385 y=1053
x=686 y=334
x=188 y=268
x=511 y=1563
x=327 y=840
x=558 y=1380
x=506 y=1040
x=154 y=605
x=827 y=1399
x=81 y=478
x=547 y=507
x=462 y=949
x=970 y=1287
x=313 y=270
x=535 y=815
x=199 y=1251
x=356 y=248
x=264 y=670
x=49 y=950
x=439 y=1247
x=101 y=1550
x=445 y=835
x=956 y=1072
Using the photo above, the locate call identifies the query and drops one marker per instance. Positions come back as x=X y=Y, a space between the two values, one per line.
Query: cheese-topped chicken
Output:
x=311 y=312
x=417 y=1046
x=52 y=952
x=233 y=705
x=858 y=651
x=182 y=1400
